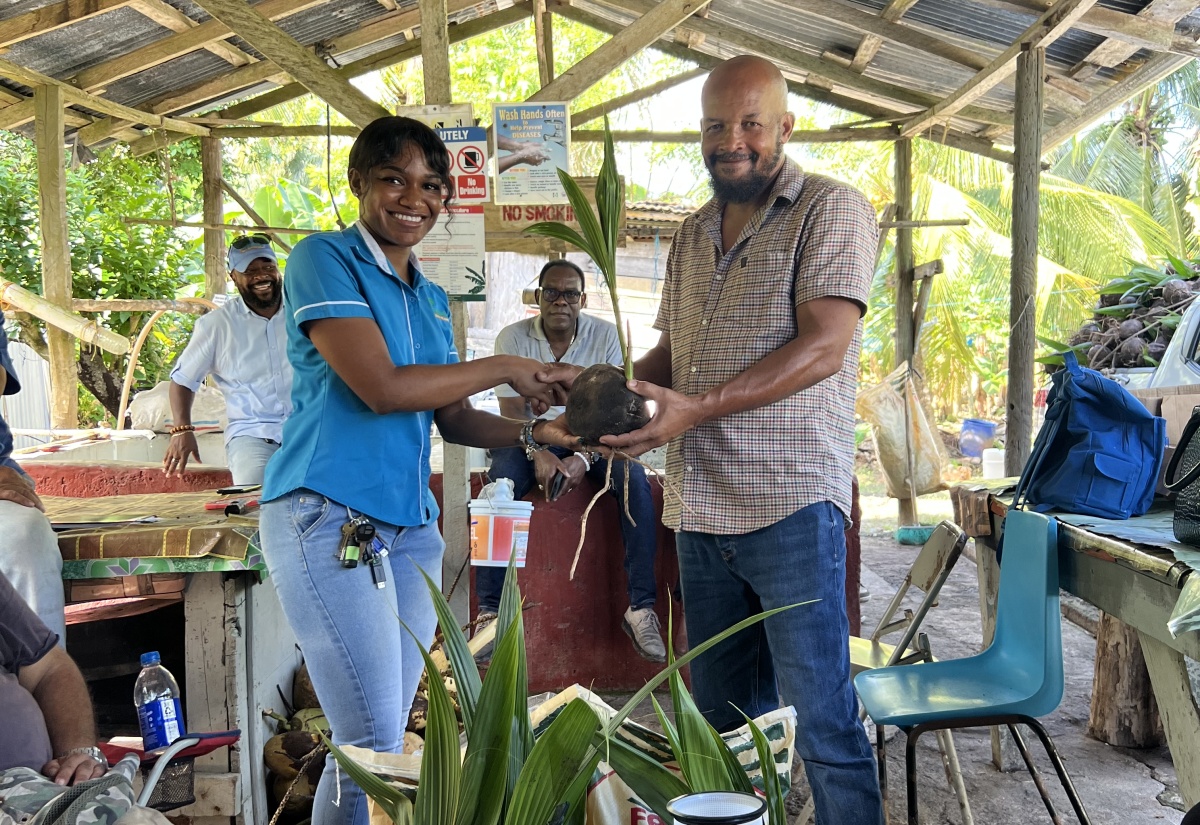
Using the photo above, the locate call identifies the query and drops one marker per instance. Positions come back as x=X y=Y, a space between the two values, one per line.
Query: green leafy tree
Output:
x=110 y=258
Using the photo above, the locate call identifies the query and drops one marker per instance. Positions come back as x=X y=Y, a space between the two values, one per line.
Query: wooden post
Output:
x=56 y=251
x=1022 y=313
x=1124 y=712
x=456 y=487
x=904 y=301
x=543 y=34
x=214 y=216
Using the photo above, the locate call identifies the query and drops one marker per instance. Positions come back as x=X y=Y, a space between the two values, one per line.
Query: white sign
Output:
x=468 y=162
x=452 y=254
x=533 y=141
x=440 y=116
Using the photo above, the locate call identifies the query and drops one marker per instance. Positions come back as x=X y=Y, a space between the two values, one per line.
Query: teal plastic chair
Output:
x=1017 y=679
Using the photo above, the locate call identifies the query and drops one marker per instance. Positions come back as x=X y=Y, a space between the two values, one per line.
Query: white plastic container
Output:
x=499 y=530
x=993 y=463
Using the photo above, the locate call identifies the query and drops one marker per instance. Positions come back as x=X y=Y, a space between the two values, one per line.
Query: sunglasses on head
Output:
x=551 y=295
x=257 y=239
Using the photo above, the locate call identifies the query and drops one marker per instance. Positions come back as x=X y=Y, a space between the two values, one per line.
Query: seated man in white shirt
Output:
x=243 y=345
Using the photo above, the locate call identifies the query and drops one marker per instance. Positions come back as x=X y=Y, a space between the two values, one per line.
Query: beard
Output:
x=270 y=301
x=749 y=186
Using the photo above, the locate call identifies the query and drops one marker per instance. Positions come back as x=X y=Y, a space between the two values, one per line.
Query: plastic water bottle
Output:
x=156 y=696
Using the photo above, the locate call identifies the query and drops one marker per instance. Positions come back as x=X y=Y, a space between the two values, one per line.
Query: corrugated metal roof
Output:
x=900 y=79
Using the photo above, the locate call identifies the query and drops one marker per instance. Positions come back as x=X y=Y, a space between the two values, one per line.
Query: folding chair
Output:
x=1016 y=679
x=928 y=573
x=169 y=777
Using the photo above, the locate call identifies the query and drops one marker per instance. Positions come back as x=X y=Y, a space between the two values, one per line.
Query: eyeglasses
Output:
x=257 y=239
x=551 y=295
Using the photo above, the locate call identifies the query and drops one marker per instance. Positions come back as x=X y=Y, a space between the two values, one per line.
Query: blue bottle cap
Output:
x=151 y=658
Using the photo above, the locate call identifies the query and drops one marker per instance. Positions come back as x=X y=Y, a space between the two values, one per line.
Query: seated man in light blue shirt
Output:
x=243 y=345
x=561 y=333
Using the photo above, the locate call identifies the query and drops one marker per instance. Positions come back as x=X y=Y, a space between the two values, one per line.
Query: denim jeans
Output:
x=247 y=456
x=32 y=563
x=364 y=665
x=639 y=538
x=801 y=655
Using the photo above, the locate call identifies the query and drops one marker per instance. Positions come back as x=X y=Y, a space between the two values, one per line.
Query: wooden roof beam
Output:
x=1151 y=72
x=28 y=77
x=649 y=27
x=1112 y=53
x=1064 y=93
x=169 y=17
x=869 y=46
x=389 y=57
x=948 y=137
x=818 y=69
x=175 y=45
x=600 y=110
x=297 y=60
x=1048 y=28
x=55 y=16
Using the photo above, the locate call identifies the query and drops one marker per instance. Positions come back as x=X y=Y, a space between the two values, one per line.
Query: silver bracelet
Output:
x=527 y=441
x=587 y=464
x=93 y=752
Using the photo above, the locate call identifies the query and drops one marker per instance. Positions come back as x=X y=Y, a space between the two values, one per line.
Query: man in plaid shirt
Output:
x=760 y=320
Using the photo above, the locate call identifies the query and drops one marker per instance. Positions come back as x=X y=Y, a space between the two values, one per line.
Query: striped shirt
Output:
x=815 y=238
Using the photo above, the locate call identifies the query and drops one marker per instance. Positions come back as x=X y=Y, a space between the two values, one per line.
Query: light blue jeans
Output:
x=247 y=457
x=32 y=563
x=801 y=655
x=364 y=665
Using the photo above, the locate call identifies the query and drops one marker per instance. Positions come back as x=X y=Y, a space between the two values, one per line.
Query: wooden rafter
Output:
x=169 y=17
x=397 y=54
x=70 y=94
x=649 y=27
x=299 y=61
x=543 y=36
x=1115 y=52
x=1102 y=21
x=435 y=51
x=869 y=46
x=55 y=16
x=804 y=63
x=948 y=137
x=175 y=45
x=1154 y=70
x=1048 y=28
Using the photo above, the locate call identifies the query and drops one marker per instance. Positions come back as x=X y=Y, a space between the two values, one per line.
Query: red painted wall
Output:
x=573 y=627
x=97 y=479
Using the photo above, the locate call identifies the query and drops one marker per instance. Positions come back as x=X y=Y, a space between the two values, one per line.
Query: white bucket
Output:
x=499 y=531
x=718 y=808
x=993 y=463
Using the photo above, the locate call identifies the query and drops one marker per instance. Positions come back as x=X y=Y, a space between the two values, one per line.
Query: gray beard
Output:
x=749 y=188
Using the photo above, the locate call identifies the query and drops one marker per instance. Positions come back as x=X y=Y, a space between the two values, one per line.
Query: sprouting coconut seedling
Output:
x=600 y=403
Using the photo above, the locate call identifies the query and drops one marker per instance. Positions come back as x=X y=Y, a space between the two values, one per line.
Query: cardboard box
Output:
x=1175 y=404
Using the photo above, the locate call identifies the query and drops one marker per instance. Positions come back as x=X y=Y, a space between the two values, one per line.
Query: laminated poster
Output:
x=533 y=141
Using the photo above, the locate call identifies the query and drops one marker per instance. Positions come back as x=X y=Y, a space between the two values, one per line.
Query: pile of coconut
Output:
x=1135 y=317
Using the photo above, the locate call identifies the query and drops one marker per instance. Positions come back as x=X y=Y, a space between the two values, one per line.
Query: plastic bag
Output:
x=500 y=490
x=151 y=410
x=882 y=406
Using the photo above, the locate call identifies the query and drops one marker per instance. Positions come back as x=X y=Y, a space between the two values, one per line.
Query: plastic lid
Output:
x=151 y=658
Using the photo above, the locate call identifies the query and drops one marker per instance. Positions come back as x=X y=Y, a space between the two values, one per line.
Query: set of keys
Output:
x=359 y=542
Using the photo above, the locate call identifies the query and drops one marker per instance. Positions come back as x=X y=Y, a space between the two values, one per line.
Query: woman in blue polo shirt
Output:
x=372 y=350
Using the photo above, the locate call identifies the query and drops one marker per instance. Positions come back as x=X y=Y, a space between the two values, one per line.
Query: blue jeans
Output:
x=364 y=665
x=801 y=655
x=247 y=456
x=640 y=542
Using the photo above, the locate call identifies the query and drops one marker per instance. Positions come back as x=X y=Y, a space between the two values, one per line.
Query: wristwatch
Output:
x=94 y=752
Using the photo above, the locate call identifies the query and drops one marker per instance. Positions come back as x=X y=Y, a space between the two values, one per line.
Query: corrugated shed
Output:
x=30 y=408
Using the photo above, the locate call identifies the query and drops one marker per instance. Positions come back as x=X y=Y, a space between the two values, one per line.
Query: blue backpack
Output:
x=1098 y=452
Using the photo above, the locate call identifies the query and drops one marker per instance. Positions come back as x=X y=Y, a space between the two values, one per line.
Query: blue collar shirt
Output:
x=333 y=443
x=11 y=387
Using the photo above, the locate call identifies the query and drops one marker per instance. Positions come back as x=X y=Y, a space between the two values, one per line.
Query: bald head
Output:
x=749 y=74
x=744 y=127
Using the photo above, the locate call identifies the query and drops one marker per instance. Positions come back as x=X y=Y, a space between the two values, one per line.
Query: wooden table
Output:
x=237 y=644
x=1138 y=584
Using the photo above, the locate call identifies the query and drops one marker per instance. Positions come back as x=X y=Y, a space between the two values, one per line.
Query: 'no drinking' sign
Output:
x=468 y=162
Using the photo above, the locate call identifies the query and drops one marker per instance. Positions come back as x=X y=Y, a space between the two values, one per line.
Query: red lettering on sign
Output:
x=511 y=213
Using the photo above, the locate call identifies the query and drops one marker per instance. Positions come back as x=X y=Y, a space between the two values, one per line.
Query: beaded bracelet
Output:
x=182 y=428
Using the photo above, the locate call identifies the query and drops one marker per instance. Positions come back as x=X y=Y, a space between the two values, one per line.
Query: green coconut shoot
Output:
x=597 y=235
